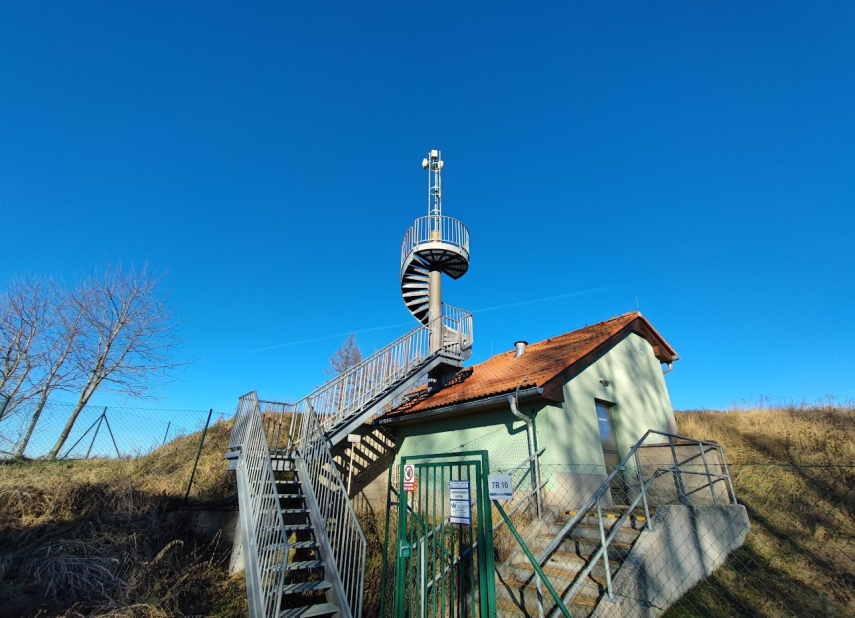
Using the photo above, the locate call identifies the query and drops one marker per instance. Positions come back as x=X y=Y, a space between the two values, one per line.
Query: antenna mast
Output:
x=433 y=163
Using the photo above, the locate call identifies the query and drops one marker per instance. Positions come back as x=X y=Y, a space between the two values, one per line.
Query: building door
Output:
x=445 y=541
x=608 y=438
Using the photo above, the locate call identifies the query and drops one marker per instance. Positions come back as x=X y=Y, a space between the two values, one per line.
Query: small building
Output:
x=590 y=395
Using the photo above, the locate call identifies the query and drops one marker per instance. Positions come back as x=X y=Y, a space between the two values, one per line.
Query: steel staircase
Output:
x=304 y=549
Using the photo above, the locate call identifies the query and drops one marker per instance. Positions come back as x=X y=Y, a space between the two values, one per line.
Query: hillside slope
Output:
x=794 y=470
x=106 y=538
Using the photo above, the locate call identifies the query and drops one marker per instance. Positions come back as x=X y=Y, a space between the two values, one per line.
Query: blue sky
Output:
x=694 y=160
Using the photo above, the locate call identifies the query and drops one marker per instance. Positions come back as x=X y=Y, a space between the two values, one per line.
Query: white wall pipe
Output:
x=535 y=463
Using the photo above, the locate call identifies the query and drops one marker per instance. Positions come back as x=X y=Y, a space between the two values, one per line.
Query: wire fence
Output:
x=98 y=432
x=781 y=543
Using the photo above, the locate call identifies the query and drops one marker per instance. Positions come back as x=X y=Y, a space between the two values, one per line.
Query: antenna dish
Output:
x=425 y=164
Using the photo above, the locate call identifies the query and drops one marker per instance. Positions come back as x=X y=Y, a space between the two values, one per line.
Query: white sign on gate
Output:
x=460 y=508
x=354 y=438
x=409 y=477
x=501 y=487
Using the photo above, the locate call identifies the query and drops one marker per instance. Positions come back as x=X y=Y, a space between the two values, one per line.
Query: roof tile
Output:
x=541 y=362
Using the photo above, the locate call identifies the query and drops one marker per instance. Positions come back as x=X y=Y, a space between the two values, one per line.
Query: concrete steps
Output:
x=516 y=588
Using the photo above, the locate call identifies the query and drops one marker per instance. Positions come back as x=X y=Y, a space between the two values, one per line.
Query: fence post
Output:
x=168 y=425
x=110 y=429
x=97 y=429
x=198 y=453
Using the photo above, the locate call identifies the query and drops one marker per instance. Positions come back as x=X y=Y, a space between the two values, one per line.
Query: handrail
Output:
x=558 y=602
x=596 y=501
x=459 y=323
x=607 y=483
x=262 y=527
x=356 y=389
x=338 y=528
x=435 y=229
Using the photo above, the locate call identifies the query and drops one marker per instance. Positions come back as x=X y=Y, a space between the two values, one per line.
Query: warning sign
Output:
x=460 y=507
x=409 y=477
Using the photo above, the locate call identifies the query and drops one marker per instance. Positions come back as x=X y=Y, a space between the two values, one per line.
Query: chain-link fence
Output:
x=98 y=431
x=673 y=532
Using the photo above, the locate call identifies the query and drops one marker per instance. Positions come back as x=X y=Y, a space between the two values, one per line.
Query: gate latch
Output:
x=404 y=550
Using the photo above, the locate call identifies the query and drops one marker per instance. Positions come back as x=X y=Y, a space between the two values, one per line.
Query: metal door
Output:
x=444 y=564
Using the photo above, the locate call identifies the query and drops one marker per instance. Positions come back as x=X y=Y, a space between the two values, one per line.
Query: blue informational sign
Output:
x=461 y=510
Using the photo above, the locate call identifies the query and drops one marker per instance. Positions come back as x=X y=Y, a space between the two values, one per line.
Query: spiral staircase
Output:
x=304 y=551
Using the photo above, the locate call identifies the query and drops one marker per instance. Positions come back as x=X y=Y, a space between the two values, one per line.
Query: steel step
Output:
x=302 y=587
x=310 y=611
x=305 y=565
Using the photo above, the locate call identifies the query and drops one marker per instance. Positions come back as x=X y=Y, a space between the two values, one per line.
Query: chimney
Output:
x=520 y=346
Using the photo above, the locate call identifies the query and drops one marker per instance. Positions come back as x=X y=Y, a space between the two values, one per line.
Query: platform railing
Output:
x=457 y=328
x=432 y=229
x=355 y=390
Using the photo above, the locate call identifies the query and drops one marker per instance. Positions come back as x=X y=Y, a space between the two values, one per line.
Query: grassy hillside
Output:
x=103 y=537
x=794 y=470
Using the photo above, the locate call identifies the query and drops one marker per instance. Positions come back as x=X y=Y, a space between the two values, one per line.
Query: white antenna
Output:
x=434 y=163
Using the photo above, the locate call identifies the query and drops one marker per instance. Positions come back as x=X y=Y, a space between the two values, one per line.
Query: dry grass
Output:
x=794 y=471
x=104 y=538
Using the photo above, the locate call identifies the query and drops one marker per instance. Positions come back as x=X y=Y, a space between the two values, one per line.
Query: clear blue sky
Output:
x=697 y=159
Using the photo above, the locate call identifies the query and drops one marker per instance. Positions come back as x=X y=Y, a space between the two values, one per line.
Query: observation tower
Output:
x=435 y=245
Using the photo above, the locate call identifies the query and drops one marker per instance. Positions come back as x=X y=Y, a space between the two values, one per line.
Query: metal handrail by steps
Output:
x=262 y=527
x=607 y=535
x=336 y=525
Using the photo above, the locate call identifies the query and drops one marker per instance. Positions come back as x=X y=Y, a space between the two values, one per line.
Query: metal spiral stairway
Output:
x=303 y=546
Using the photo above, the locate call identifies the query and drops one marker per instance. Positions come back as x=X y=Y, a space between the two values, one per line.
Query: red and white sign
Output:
x=354 y=438
x=409 y=477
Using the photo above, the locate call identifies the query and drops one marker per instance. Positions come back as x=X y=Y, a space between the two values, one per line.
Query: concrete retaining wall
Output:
x=687 y=545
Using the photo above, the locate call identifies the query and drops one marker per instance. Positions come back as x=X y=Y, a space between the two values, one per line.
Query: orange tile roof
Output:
x=542 y=362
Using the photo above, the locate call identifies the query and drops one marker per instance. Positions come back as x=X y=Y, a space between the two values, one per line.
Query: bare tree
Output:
x=129 y=336
x=345 y=357
x=54 y=369
x=24 y=311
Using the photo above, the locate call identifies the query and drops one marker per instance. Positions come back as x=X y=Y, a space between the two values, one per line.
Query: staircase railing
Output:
x=435 y=229
x=262 y=527
x=541 y=577
x=621 y=479
x=457 y=328
x=337 y=527
x=357 y=389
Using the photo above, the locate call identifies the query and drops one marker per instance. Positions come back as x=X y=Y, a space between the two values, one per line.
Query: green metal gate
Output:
x=444 y=563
